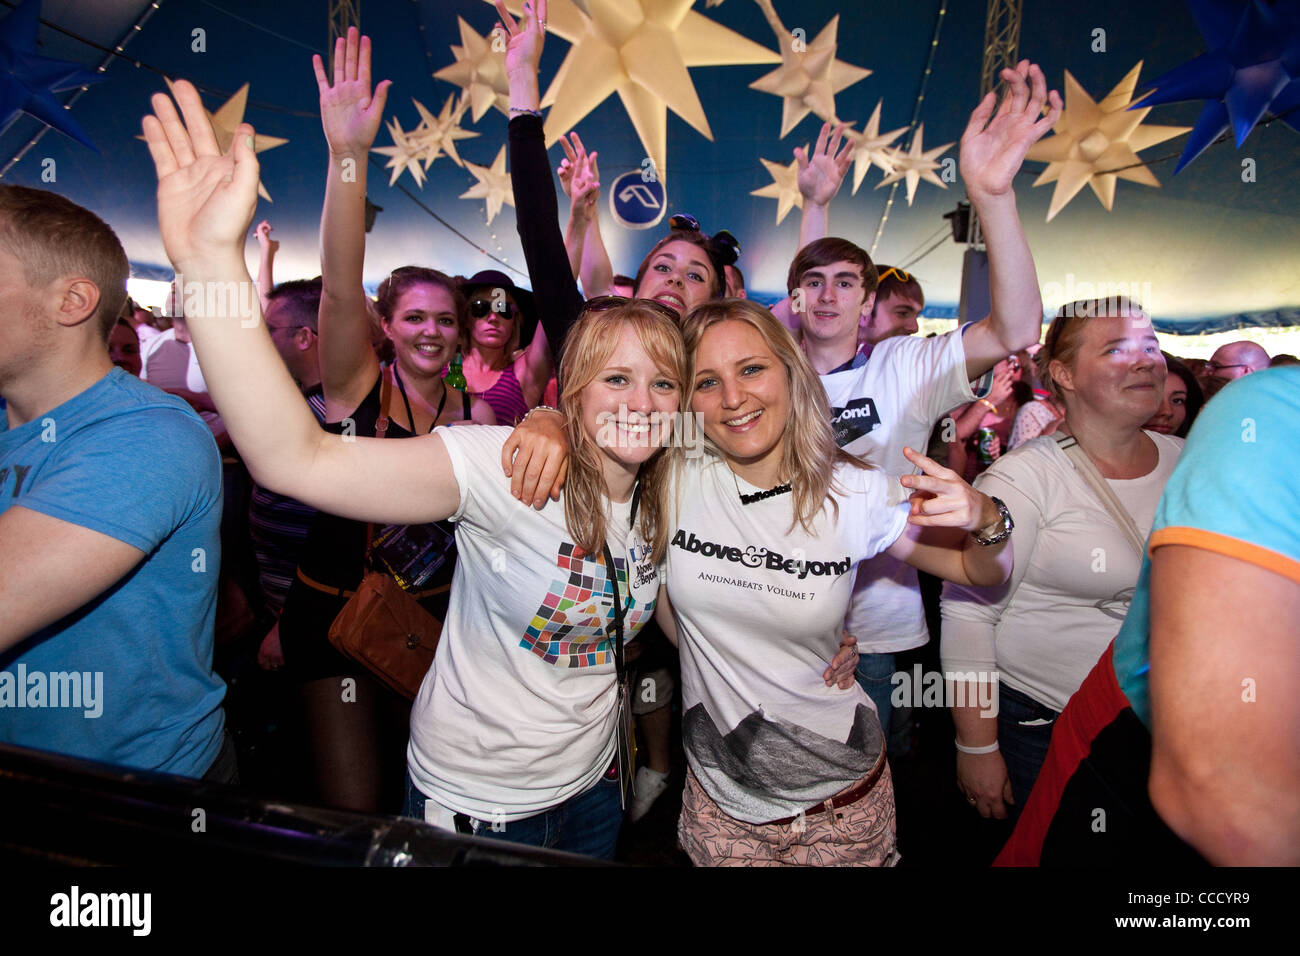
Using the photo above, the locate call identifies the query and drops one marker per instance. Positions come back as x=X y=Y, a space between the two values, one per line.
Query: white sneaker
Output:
x=647 y=787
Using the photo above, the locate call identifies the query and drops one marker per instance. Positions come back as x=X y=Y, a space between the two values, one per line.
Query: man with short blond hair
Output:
x=110 y=500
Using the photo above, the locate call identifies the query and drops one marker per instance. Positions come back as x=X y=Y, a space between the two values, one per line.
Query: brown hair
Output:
x=695 y=239
x=810 y=454
x=405 y=277
x=55 y=238
x=1065 y=334
x=587 y=349
x=896 y=281
x=822 y=252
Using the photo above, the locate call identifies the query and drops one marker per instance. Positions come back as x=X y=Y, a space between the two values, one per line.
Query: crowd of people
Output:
x=645 y=501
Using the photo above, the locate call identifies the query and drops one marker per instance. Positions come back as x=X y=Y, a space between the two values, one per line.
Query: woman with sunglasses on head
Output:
x=356 y=741
x=513 y=730
x=683 y=269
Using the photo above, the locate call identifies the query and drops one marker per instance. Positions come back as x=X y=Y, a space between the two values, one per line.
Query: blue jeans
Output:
x=873 y=676
x=1023 y=748
x=587 y=823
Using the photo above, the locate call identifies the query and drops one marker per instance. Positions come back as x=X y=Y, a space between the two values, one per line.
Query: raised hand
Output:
x=992 y=154
x=349 y=113
x=583 y=176
x=264 y=236
x=524 y=40
x=942 y=499
x=205 y=200
x=821 y=174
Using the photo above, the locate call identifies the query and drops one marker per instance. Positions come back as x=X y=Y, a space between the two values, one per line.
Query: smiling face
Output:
x=742 y=393
x=895 y=315
x=679 y=275
x=424 y=329
x=834 y=299
x=1173 y=409
x=627 y=409
x=1118 y=372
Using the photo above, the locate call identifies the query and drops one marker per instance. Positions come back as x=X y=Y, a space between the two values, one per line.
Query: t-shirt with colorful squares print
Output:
x=518 y=712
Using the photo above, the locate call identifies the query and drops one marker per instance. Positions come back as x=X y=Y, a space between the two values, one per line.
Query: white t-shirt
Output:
x=763 y=733
x=892 y=401
x=1074 y=576
x=518 y=711
x=167 y=363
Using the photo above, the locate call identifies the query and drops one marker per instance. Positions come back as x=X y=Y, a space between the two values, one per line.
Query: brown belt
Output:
x=840 y=799
x=339 y=592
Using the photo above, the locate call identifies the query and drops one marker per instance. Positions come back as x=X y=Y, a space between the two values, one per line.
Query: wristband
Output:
x=521 y=109
x=962 y=748
x=539 y=408
x=991 y=407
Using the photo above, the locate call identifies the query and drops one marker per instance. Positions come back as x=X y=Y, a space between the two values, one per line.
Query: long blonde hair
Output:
x=809 y=455
x=587 y=350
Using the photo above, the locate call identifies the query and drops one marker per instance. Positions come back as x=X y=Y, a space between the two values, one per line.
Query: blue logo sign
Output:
x=638 y=199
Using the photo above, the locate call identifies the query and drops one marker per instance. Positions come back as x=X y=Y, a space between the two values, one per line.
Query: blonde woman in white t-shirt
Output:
x=769 y=527
x=1020 y=650
x=513 y=728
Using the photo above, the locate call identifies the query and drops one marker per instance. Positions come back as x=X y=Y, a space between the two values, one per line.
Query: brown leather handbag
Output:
x=383 y=627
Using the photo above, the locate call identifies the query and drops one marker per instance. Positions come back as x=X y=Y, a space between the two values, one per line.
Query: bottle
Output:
x=455 y=376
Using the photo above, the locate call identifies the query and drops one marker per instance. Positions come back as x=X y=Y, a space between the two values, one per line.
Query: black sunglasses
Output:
x=482 y=308
x=603 y=303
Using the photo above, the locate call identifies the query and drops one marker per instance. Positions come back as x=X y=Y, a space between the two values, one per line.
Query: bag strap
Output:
x=385 y=401
x=1102 y=489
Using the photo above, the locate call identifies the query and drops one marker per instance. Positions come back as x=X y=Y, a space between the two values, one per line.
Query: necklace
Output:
x=749 y=499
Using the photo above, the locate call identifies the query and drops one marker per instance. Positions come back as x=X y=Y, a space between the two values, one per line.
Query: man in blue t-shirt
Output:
x=110 y=505
x=1204 y=675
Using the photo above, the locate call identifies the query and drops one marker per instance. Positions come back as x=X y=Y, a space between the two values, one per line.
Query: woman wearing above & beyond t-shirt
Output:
x=767 y=529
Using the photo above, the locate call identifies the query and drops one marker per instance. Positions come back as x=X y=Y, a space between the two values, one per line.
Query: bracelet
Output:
x=539 y=408
x=521 y=109
x=991 y=407
x=962 y=748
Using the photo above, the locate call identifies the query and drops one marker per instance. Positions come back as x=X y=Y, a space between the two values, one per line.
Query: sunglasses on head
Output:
x=603 y=303
x=682 y=222
x=899 y=274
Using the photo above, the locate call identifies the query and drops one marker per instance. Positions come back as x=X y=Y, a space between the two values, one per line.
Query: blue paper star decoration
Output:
x=28 y=81
x=1251 y=68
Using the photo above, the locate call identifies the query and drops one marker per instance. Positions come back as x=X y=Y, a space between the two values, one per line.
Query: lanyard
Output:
x=611 y=571
x=405 y=401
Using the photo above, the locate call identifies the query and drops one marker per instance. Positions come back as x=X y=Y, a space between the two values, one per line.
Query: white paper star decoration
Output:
x=870 y=147
x=808 y=78
x=914 y=165
x=639 y=49
x=227 y=119
x=493 y=185
x=405 y=153
x=435 y=135
x=438 y=134
x=784 y=187
x=1092 y=139
x=480 y=71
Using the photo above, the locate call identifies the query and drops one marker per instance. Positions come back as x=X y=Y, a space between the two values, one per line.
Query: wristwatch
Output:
x=1000 y=530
